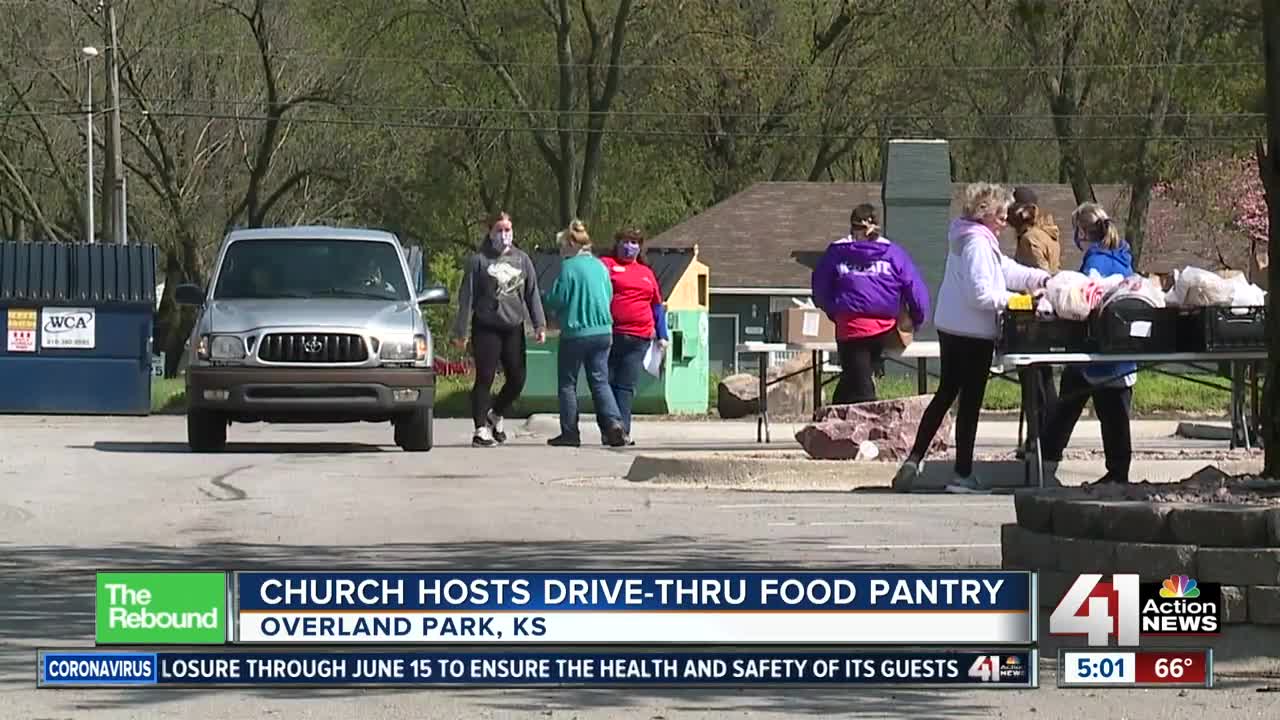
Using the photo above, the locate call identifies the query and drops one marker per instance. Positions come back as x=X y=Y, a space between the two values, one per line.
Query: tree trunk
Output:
x=1269 y=168
x=1135 y=227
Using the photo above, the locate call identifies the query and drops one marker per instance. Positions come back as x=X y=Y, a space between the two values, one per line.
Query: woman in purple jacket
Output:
x=862 y=283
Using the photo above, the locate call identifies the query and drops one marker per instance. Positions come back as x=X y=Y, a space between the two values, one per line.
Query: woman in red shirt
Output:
x=638 y=317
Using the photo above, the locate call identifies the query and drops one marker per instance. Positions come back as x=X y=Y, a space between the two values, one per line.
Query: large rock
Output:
x=890 y=424
x=739 y=395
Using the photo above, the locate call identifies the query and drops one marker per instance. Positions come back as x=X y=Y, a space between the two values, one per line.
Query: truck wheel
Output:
x=206 y=431
x=413 y=431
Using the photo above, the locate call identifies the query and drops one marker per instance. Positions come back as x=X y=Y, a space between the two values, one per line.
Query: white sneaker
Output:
x=906 y=476
x=967 y=486
x=495 y=425
x=483 y=437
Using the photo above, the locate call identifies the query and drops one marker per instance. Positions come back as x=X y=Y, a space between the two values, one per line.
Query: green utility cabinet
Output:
x=683 y=387
x=916 y=194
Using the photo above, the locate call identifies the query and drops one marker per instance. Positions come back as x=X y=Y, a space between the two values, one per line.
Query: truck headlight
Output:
x=404 y=349
x=220 y=347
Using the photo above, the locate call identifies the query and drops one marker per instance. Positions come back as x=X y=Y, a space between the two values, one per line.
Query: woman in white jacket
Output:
x=976 y=287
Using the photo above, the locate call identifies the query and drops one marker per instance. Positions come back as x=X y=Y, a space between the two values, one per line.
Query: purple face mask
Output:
x=628 y=250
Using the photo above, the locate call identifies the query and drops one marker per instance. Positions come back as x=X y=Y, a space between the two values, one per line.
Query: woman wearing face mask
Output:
x=862 y=283
x=499 y=290
x=580 y=299
x=638 y=318
x=1109 y=385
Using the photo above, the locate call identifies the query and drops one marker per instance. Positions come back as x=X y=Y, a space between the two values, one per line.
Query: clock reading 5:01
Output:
x=1106 y=667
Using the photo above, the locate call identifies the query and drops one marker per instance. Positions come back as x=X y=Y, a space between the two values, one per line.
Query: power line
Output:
x=647 y=132
x=253 y=102
x=419 y=61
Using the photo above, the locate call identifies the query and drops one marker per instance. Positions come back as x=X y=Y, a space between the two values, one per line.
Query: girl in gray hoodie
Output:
x=499 y=291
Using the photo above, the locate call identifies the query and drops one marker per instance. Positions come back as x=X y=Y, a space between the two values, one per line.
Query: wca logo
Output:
x=67 y=322
x=1125 y=608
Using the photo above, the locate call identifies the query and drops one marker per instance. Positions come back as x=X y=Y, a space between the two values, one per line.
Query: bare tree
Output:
x=596 y=74
x=1054 y=34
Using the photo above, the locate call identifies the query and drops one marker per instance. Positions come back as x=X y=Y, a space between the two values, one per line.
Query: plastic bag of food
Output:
x=1248 y=295
x=1073 y=295
x=1196 y=287
x=1136 y=285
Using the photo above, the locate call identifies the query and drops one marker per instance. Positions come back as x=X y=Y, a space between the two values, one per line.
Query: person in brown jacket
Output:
x=1038 y=248
x=1037 y=233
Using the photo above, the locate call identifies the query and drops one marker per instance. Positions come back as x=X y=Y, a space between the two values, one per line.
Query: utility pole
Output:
x=119 y=213
x=89 y=54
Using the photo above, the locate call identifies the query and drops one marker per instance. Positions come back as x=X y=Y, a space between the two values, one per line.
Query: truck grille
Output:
x=313 y=348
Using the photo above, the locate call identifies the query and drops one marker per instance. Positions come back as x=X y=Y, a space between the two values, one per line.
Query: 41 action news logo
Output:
x=152 y=608
x=1126 y=609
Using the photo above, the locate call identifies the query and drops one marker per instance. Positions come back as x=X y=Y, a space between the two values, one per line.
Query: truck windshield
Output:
x=307 y=268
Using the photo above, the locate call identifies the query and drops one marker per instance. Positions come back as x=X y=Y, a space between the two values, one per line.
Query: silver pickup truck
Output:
x=310 y=324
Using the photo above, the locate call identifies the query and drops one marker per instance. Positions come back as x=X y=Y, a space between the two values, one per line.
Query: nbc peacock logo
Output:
x=1179 y=586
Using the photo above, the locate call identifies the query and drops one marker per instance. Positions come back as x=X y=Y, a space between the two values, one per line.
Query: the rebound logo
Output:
x=142 y=608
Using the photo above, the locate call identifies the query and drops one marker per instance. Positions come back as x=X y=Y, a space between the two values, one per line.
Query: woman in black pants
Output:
x=499 y=290
x=975 y=289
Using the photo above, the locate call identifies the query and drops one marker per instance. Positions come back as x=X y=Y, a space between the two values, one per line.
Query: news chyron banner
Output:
x=520 y=667
x=964 y=629
x=612 y=608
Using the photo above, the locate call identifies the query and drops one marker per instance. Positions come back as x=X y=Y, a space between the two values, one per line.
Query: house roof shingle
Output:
x=771 y=234
x=668 y=265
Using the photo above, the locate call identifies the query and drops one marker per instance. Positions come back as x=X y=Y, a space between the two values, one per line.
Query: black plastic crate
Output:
x=1022 y=331
x=1128 y=325
x=1221 y=328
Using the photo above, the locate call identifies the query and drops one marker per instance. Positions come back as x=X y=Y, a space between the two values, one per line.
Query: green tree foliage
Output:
x=423 y=116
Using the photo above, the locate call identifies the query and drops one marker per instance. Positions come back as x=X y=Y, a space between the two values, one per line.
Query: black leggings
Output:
x=492 y=347
x=1112 y=405
x=966 y=364
x=860 y=359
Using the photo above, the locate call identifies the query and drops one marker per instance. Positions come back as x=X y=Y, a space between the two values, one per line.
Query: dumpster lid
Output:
x=48 y=272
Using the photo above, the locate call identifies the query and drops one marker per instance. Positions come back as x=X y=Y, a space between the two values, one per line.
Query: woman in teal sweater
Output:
x=580 y=298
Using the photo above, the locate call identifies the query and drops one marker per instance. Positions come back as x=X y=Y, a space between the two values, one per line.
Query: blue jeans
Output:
x=626 y=360
x=592 y=352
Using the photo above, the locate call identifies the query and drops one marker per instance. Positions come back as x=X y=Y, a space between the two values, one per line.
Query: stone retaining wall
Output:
x=1061 y=536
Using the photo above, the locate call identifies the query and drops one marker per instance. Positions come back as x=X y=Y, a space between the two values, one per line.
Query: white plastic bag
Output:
x=653 y=359
x=1136 y=285
x=1068 y=292
x=1248 y=295
x=1196 y=287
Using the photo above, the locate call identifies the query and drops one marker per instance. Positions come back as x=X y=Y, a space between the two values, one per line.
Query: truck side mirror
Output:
x=438 y=295
x=189 y=295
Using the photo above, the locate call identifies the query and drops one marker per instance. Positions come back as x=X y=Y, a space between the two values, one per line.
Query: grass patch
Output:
x=168 y=395
x=1154 y=394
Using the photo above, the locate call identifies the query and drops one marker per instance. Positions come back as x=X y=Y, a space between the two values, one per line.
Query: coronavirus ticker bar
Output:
x=933 y=608
x=743 y=668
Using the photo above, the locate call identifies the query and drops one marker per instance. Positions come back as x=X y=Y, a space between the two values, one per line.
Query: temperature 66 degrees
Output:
x=1173 y=667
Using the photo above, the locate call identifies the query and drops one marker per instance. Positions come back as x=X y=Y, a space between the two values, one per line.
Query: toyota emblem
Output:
x=313 y=345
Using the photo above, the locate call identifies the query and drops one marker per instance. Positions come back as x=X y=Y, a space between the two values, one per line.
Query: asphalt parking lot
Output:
x=82 y=494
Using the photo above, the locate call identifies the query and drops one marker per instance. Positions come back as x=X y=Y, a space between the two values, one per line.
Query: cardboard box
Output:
x=801 y=325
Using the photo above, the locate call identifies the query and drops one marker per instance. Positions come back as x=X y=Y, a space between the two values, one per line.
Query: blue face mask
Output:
x=628 y=250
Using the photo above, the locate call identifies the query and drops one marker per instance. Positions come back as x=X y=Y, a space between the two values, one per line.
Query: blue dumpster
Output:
x=77 y=322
